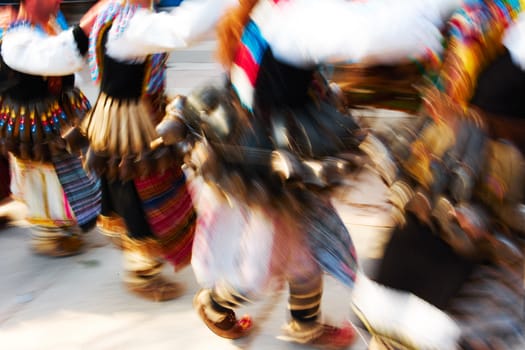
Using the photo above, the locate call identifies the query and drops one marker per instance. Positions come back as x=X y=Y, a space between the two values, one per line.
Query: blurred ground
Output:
x=79 y=302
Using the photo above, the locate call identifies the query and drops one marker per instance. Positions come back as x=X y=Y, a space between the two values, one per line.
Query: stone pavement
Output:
x=80 y=303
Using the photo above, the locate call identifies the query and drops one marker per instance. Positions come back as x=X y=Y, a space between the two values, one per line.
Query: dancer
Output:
x=7 y=15
x=456 y=256
x=38 y=105
x=272 y=138
x=146 y=204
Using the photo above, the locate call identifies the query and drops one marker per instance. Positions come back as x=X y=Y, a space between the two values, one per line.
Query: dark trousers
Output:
x=418 y=261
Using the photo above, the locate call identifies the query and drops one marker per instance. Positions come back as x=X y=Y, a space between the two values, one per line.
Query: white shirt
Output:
x=148 y=32
x=31 y=51
x=514 y=41
x=301 y=32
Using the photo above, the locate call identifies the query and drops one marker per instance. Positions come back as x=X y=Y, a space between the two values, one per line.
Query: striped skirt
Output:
x=58 y=194
x=82 y=189
x=38 y=187
x=170 y=213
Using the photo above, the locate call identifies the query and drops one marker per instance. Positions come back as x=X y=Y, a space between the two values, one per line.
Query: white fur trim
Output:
x=514 y=41
x=242 y=84
x=148 y=32
x=263 y=11
x=29 y=51
x=404 y=316
x=307 y=32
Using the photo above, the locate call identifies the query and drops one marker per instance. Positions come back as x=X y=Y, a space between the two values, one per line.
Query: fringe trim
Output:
x=120 y=133
x=34 y=131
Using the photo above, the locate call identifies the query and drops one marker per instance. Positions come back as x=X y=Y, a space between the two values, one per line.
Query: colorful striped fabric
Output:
x=246 y=64
x=61 y=20
x=82 y=190
x=245 y=68
x=156 y=78
x=330 y=241
x=475 y=38
x=170 y=213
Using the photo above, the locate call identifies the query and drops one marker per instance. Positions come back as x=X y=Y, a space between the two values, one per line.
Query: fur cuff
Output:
x=403 y=316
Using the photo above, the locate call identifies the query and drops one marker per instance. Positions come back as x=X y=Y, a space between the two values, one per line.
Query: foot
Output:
x=154 y=288
x=335 y=337
x=226 y=324
x=60 y=246
x=321 y=336
x=113 y=228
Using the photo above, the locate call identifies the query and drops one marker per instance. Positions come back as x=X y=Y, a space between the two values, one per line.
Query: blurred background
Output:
x=74 y=9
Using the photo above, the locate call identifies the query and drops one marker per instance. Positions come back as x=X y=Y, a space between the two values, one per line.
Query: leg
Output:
x=113 y=227
x=54 y=229
x=124 y=219
x=305 y=280
x=143 y=269
x=304 y=304
x=55 y=242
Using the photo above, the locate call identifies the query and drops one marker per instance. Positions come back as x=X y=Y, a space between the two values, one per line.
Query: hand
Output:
x=7 y=15
x=171 y=129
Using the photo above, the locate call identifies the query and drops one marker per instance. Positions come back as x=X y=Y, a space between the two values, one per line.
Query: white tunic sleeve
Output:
x=514 y=41
x=30 y=51
x=305 y=32
x=148 y=32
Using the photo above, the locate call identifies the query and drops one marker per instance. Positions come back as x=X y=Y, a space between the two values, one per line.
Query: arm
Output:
x=305 y=32
x=149 y=32
x=29 y=51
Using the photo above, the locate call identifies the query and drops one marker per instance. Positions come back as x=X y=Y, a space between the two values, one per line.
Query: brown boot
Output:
x=155 y=288
x=222 y=322
x=143 y=271
x=56 y=243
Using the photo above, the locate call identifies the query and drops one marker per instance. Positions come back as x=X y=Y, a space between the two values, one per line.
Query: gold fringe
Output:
x=120 y=128
x=113 y=137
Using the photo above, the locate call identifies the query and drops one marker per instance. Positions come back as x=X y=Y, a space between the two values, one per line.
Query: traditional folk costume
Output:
x=273 y=144
x=145 y=198
x=452 y=273
x=38 y=105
